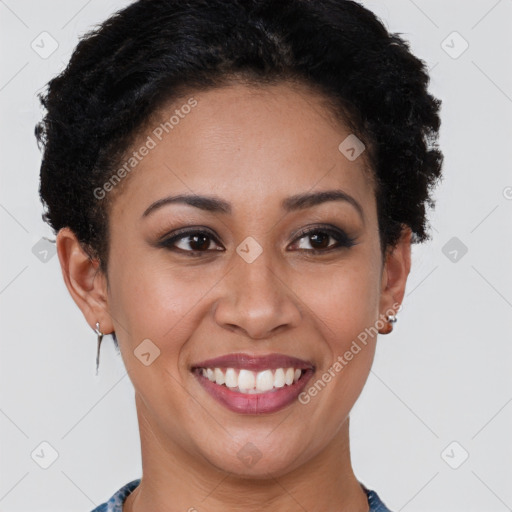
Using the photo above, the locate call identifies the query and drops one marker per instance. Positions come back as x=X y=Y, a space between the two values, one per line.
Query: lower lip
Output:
x=260 y=403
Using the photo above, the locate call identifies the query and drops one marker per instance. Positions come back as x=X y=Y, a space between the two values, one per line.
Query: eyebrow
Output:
x=292 y=203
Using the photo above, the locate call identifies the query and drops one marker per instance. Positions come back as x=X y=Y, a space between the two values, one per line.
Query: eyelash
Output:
x=342 y=239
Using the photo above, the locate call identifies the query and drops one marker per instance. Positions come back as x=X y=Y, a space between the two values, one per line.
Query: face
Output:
x=256 y=269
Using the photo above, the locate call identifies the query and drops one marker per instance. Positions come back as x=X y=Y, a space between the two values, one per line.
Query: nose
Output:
x=256 y=301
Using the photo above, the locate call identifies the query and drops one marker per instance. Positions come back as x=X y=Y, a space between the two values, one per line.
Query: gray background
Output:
x=441 y=385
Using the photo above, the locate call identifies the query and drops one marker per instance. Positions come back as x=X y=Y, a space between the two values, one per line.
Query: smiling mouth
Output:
x=250 y=382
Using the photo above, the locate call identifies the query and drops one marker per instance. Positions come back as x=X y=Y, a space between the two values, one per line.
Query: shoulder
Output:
x=376 y=504
x=115 y=503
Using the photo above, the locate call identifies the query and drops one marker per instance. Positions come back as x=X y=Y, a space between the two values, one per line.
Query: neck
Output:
x=174 y=479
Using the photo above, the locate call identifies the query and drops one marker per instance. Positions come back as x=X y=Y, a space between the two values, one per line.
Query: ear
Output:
x=86 y=283
x=395 y=272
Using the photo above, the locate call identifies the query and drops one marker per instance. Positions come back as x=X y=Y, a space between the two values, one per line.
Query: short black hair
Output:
x=152 y=51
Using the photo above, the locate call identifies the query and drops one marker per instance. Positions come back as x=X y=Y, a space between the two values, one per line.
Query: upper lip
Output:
x=255 y=362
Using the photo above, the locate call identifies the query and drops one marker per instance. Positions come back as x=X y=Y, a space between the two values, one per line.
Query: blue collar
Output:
x=115 y=503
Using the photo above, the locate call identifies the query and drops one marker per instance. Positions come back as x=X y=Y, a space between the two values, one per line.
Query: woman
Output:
x=235 y=188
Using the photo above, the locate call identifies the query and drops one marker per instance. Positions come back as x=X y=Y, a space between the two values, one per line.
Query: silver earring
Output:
x=392 y=318
x=100 y=337
x=388 y=327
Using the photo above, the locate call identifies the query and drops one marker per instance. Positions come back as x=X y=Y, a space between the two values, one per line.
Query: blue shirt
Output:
x=115 y=503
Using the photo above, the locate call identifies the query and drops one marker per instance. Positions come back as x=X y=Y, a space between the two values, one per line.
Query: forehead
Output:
x=244 y=143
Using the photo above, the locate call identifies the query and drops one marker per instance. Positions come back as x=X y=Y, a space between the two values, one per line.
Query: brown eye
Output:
x=320 y=240
x=198 y=242
x=191 y=241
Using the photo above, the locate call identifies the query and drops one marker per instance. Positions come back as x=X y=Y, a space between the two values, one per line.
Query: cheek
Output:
x=344 y=302
x=344 y=297
x=161 y=301
x=345 y=308
x=151 y=303
x=142 y=299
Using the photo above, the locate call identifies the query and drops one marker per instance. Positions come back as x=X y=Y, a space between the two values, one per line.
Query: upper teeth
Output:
x=251 y=382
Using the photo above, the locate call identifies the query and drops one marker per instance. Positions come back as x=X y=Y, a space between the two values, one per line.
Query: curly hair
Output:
x=154 y=51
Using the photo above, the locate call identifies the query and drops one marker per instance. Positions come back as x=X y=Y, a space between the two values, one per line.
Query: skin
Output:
x=252 y=147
